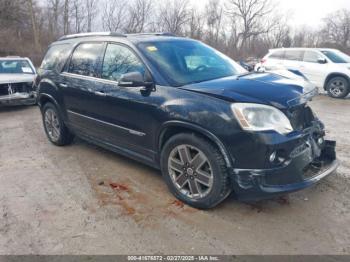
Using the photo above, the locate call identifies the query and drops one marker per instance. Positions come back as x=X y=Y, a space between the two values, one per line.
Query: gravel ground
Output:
x=81 y=199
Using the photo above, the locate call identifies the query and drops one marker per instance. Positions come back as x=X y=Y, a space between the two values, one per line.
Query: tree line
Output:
x=239 y=28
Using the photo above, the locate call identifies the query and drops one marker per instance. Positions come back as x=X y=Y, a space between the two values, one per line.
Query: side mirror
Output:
x=322 y=60
x=133 y=79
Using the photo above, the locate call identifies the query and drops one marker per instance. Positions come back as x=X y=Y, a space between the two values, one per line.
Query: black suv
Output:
x=184 y=108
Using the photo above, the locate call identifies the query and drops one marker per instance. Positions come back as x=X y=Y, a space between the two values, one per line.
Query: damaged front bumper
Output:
x=308 y=163
x=27 y=98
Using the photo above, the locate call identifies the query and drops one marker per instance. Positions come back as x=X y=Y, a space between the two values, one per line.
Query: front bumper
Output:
x=26 y=98
x=307 y=165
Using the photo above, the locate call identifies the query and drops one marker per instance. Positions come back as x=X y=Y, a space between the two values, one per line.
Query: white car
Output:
x=326 y=68
x=17 y=77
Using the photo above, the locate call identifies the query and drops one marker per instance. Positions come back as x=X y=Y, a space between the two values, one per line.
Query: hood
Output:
x=262 y=88
x=16 y=78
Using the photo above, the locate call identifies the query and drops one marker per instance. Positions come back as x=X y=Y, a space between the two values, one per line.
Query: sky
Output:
x=310 y=12
x=302 y=12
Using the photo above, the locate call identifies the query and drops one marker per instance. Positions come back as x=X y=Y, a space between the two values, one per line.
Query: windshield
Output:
x=337 y=57
x=183 y=62
x=15 y=67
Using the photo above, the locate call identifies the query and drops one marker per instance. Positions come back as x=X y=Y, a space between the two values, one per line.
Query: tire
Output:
x=204 y=183
x=55 y=129
x=338 y=87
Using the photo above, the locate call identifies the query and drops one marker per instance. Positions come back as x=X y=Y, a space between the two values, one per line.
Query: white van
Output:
x=326 y=68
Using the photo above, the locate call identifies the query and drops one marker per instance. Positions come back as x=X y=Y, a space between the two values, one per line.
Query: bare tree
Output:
x=54 y=8
x=66 y=11
x=279 y=36
x=33 y=19
x=138 y=16
x=114 y=15
x=78 y=16
x=251 y=18
x=173 y=16
x=337 y=28
x=91 y=12
x=214 y=21
x=195 y=24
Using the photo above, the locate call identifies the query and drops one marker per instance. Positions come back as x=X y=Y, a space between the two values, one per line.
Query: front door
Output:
x=313 y=69
x=130 y=110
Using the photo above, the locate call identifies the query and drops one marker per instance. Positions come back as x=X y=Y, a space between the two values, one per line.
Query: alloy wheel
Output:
x=337 y=87
x=52 y=124
x=190 y=171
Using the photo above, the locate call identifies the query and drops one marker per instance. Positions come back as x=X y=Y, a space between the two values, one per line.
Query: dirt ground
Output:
x=82 y=199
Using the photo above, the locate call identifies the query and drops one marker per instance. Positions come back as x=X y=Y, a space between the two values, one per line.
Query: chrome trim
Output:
x=131 y=131
x=92 y=78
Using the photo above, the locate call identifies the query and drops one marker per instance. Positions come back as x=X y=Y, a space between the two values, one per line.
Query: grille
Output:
x=7 y=89
x=301 y=117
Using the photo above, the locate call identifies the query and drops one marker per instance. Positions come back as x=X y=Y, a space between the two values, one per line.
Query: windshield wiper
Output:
x=244 y=74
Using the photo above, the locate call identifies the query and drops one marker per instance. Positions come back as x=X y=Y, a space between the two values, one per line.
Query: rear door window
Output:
x=277 y=55
x=86 y=59
x=294 y=55
x=311 y=57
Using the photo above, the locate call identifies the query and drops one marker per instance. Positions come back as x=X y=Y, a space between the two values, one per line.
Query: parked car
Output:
x=328 y=69
x=16 y=81
x=184 y=108
x=246 y=66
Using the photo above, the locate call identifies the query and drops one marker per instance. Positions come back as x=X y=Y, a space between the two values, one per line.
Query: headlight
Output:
x=256 y=117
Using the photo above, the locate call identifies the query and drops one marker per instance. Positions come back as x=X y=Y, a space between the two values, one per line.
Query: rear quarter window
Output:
x=277 y=55
x=294 y=55
x=55 y=57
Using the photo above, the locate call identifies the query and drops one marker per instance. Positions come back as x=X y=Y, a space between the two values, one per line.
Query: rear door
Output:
x=293 y=59
x=274 y=60
x=316 y=72
x=82 y=92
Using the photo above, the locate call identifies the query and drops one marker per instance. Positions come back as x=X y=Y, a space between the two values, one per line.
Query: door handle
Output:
x=100 y=93
x=63 y=85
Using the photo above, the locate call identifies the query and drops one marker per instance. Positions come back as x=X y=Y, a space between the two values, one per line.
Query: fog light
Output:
x=273 y=156
x=320 y=141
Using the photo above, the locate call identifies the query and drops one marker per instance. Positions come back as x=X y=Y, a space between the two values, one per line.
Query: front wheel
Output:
x=338 y=87
x=55 y=129
x=195 y=171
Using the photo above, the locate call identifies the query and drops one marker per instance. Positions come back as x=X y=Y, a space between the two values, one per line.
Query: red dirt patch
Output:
x=178 y=203
x=118 y=186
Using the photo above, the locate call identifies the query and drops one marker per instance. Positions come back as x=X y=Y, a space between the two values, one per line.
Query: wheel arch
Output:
x=332 y=75
x=172 y=128
x=45 y=98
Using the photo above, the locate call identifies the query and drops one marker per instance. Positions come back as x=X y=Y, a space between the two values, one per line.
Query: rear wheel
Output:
x=55 y=129
x=338 y=87
x=195 y=171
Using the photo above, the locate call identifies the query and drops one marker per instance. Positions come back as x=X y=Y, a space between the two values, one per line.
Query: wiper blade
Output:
x=244 y=74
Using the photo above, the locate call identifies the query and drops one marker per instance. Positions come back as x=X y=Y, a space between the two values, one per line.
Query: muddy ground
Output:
x=82 y=199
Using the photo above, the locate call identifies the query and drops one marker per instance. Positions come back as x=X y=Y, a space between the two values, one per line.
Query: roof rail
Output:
x=150 y=34
x=65 y=37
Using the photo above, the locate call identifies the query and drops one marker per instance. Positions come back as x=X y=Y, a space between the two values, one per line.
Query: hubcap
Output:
x=52 y=124
x=337 y=87
x=190 y=171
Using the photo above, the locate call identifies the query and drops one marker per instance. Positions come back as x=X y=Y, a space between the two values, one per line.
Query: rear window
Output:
x=54 y=56
x=277 y=55
x=295 y=55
